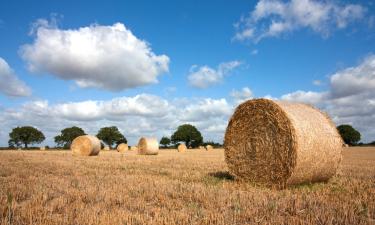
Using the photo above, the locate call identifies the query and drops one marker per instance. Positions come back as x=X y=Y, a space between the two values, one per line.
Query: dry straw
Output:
x=133 y=148
x=106 y=148
x=148 y=146
x=42 y=148
x=279 y=143
x=202 y=147
x=209 y=147
x=85 y=145
x=181 y=147
x=122 y=147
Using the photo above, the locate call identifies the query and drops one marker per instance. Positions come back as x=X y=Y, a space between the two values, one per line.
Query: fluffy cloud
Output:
x=242 y=95
x=350 y=99
x=205 y=76
x=10 y=84
x=354 y=80
x=272 y=18
x=140 y=115
x=106 y=57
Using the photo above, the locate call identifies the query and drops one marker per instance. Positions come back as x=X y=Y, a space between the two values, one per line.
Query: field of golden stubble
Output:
x=53 y=187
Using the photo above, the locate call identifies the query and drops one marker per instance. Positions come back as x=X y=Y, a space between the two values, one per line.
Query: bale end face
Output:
x=181 y=148
x=85 y=145
x=148 y=146
x=122 y=148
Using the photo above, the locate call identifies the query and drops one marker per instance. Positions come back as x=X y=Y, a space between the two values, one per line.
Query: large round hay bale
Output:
x=85 y=145
x=148 y=146
x=181 y=147
x=122 y=147
x=280 y=143
x=209 y=147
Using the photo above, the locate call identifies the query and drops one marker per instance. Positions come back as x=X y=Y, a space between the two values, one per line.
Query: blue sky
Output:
x=181 y=62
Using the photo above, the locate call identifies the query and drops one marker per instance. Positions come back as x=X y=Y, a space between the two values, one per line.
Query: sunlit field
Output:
x=53 y=187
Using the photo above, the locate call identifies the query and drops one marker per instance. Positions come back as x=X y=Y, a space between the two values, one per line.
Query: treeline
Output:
x=187 y=134
x=110 y=136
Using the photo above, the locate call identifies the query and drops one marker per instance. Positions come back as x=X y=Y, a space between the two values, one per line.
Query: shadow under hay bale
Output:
x=85 y=145
x=148 y=146
x=223 y=175
x=279 y=143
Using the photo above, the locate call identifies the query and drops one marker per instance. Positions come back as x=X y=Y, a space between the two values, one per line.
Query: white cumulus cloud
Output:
x=350 y=98
x=205 y=76
x=105 y=57
x=135 y=116
x=10 y=84
x=272 y=18
x=242 y=95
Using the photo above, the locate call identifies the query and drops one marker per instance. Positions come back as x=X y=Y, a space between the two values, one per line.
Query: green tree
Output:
x=189 y=134
x=111 y=135
x=25 y=135
x=165 y=141
x=67 y=136
x=350 y=135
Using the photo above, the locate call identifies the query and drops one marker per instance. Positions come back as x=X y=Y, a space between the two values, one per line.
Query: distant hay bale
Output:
x=209 y=147
x=181 y=148
x=346 y=145
x=42 y=148
x=148 y=146
x=106 y=148
x=133 y=148
x=280 y=143
x=122 y=147
x=202 y=147
x=85 y=145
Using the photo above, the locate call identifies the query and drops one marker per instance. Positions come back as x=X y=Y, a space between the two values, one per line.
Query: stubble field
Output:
x=53 y=187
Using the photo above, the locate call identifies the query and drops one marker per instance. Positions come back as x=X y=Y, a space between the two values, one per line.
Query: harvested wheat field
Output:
x=54 y=187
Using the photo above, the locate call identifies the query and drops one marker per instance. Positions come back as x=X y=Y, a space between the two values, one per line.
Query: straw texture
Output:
x=85 y=145
x=106 y=148
x=148 y=146
x=209 y=147
x=279 y=143
x=133 y=148
x=181 y=148
x=122 y=147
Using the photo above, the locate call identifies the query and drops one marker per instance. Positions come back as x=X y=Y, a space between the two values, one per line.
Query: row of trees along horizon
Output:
x=111 y=136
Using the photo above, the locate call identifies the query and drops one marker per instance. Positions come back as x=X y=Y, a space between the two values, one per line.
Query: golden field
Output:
x=194 y=187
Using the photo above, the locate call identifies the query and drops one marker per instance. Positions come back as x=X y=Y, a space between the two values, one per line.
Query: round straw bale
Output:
x=280 y=143
x=202 y=147
x=42 y=148
x=181 y=147
x=122 y=147
x=85 y=145
x=209 y=147
x=106 y=148
x=133 y=148
x=148 y=146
